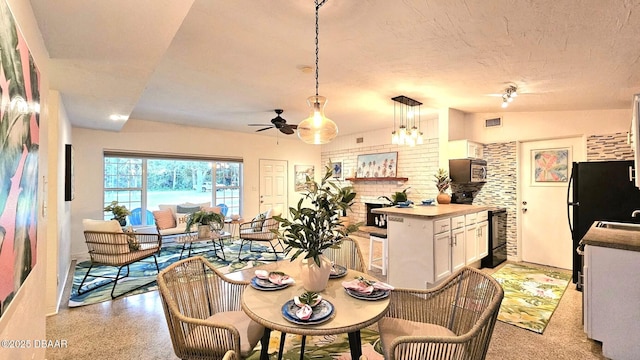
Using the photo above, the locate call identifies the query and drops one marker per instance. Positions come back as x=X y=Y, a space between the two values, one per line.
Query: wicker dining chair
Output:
x=455 y=320
x=348 y=255
x=203 y=311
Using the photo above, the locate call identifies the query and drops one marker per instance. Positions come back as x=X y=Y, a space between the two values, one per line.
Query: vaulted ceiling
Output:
x=225 y=64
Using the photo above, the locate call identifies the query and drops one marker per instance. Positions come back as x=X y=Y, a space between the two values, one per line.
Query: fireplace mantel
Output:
x=356 y=179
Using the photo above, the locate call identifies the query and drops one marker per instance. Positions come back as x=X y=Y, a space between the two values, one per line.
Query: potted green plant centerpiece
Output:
x=314 y=229
x=119 y=212
x=397 y=197
x=206 y=220
x=442 y=183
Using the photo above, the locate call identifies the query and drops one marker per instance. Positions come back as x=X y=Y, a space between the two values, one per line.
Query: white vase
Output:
x=315 y=278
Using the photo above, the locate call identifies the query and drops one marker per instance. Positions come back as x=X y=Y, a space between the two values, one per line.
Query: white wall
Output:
x=149 y=136
x=25 y=316
x=58 y=211
x=546 y=125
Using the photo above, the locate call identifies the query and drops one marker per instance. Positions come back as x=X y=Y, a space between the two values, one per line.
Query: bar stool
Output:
x=382 y=239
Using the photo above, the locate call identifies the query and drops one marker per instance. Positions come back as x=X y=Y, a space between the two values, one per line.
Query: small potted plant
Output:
x=397 y=197
x=206 y=220
x=119 y=212
x=442 y=183
x=314 y=229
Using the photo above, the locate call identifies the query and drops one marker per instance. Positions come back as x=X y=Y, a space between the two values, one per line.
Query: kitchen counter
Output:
x=612 y=238
x=432 y=211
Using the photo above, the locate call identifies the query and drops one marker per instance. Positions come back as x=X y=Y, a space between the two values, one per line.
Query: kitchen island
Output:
x=611 y=292
x=429 y=243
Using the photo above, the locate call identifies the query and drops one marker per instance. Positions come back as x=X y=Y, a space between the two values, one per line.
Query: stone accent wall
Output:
x=418 y=163
x=500 y=188
x=609 y=147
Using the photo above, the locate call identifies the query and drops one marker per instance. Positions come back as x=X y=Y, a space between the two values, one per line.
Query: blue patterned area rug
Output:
x=144 y=272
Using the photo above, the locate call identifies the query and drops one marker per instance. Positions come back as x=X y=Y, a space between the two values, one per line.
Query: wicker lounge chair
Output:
x=109 y=245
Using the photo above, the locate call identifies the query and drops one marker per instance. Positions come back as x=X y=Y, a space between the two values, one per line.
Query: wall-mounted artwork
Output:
x=301 y=173
x=336 y=170
x=377 y=165
x=19 y=145
x=550 y=165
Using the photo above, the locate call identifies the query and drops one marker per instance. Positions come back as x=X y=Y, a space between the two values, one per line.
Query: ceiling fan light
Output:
x=505 y=103
x=317 y=128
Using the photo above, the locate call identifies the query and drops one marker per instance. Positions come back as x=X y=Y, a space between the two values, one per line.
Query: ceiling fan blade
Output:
x=260 y=125
x=263 y=129
x=286 y=129
x=293 y=126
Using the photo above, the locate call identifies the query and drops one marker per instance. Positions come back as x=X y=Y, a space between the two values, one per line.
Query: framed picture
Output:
x=301 y=173
x=550 y=167
x=69 y=190
x=377 y=165
x=336 y=170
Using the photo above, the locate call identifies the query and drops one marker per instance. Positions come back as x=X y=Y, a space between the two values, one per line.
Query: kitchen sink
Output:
x=618 y=226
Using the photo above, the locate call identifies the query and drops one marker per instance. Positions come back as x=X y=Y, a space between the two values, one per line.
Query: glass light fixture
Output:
x=317 y=128
x=508 y=95
x=406 y=113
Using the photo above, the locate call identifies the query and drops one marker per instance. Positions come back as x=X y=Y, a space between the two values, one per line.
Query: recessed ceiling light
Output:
x=116 y=117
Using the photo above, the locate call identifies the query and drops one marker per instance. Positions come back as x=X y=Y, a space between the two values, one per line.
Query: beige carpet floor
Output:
x=134 y=328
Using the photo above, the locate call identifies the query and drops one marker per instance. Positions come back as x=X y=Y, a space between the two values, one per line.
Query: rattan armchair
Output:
x=348 y=255
x=203 y=311
x=455 y=320
x=117 y=249
x=230 y=355
x=260 y=230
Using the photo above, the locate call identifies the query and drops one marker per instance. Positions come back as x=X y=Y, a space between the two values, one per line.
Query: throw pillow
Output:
x=183 y=209
x=181 y=221
x=164 y=219
x=256 y=223
x=102 y=225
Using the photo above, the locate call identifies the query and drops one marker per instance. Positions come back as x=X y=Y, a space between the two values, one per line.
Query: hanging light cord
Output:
x=318 y=5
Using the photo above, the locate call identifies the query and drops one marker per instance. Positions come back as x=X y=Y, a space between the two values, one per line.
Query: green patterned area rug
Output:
x=328 y=347
x=531 y=295
x=144 y=272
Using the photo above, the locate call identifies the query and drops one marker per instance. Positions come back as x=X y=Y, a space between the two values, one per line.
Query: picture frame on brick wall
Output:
x=337 y=170
x=377 y=165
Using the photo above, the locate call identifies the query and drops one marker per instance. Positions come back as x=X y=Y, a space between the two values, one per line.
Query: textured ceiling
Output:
x=225 y=64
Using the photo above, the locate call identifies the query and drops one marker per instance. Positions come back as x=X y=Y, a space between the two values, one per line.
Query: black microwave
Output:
x=468 y=171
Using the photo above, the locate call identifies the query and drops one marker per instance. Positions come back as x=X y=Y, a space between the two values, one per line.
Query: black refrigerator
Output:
x=599 y=190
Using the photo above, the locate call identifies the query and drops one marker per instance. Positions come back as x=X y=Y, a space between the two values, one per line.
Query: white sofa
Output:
x=171 y=219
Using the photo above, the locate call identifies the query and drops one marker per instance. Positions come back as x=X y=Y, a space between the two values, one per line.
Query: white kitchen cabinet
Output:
x=476 y=236
x=458 y=260
x=611 y=300
x=483 y=234
x=464 y=149
x=471 y=243
x=442 y=255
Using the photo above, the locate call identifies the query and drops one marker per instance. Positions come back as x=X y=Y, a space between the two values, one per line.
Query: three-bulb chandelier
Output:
x=317 y=128
x=509 y=94
x=406 y=113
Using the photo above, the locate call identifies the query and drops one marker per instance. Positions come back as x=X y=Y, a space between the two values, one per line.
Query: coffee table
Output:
x=217 y=241
x=350 y=314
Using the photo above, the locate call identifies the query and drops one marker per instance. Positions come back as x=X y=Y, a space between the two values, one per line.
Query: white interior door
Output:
x=273 y=185
x=545 y=234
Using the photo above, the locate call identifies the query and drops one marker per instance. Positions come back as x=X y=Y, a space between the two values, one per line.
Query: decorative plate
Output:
x=377 y=294
x=321 y=312
x=403 y=206
x=340 y=272
x=264 y=284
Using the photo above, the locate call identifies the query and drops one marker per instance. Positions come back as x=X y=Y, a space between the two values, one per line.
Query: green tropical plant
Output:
x=442 y=180
x=204 y=217
x=314 y=229
x=397 y=197
x=119 y=212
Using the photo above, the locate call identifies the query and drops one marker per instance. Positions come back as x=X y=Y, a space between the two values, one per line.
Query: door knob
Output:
x=524 y=210
x=524 y=203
